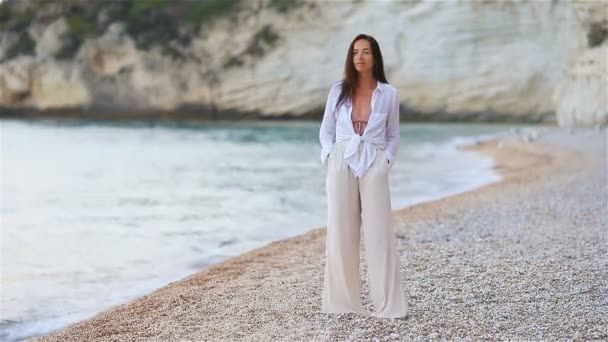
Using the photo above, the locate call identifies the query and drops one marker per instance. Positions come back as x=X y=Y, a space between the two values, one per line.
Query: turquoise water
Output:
x=95 y=214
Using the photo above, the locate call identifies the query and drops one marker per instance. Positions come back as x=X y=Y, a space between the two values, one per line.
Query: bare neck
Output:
x=367 y=82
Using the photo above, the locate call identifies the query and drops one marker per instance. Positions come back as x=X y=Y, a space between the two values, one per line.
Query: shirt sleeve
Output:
x=393 y=133
x=327 y=133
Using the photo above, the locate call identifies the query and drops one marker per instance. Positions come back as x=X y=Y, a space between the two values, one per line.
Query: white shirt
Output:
x=382 y=128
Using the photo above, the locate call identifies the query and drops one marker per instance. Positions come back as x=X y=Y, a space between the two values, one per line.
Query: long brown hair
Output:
x=351 y=77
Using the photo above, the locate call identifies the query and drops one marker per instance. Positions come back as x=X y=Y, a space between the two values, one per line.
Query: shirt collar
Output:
x=380 y=86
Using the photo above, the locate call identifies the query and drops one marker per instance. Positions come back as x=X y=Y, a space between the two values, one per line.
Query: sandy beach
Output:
x=521 y=259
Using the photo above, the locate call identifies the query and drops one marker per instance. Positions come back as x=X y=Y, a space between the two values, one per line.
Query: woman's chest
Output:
x=373 y=112
x=362 y=107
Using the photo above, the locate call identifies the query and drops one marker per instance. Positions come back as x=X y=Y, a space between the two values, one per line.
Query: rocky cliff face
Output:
x=581 y=95
x=511 y=60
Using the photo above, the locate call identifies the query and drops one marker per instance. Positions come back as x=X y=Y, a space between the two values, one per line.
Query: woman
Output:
x=360 y=138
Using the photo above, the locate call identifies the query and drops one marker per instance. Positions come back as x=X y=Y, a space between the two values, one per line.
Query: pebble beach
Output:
x=524 y=258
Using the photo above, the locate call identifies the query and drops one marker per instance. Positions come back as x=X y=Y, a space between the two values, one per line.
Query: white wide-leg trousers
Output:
x=355 y=205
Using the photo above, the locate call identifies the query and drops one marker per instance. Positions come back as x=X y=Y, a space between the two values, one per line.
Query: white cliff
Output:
x=581 y=97
x=520 y=60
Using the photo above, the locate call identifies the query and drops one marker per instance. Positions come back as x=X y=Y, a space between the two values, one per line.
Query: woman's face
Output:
x=362 y=56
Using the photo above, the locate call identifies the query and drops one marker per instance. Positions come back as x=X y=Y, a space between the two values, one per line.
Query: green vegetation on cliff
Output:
x=167 y=24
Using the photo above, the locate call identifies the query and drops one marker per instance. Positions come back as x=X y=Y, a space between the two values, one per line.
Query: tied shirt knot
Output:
x=358 y=157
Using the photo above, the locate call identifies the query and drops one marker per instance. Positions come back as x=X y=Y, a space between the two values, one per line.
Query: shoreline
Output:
x=209 y=303
x=207 y=113
x=51 y=318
